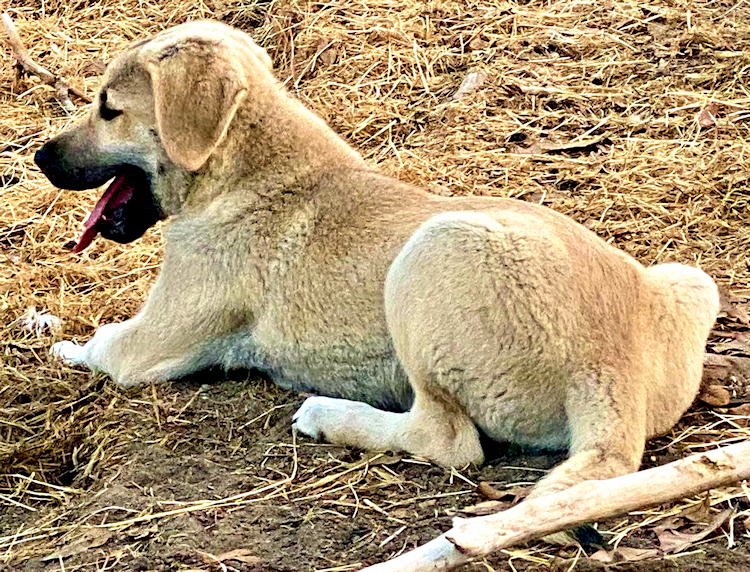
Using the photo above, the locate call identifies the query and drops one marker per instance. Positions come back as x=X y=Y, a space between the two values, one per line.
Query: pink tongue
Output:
x=117 y=193
x=88 y=236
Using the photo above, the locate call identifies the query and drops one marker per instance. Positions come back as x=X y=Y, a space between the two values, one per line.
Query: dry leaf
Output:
x=92 y=538
x=562 y=538
x=473 y=81
x=672 y=541
x=743 y=410
x=489 y=492
x=602 y=556
x=389 y=35
x=707 y=116
x=478 y=43
x=513 y=494
x=624 y=554
x=731 y=309
x=486 y=507
x=240 y=555
x=325 y=51
x=580 y=145
x=735 y=345
x=716 y=360
x=385 y=460
x=737 y=312
x=700 y=512
x=635 y=554
x=141 y=533
x=671 y=523
x=714 y=395
x=94 y=67
x=499 y=500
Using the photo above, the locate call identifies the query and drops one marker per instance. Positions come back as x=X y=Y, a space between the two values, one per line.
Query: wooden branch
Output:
x=25 y=63
x=586 y=502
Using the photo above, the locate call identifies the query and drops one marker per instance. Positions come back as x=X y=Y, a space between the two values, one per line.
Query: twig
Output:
x=26 y=64
x=587 y=502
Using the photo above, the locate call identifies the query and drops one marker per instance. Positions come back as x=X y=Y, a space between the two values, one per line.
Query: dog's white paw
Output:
x=315 y=413
x=69 y=353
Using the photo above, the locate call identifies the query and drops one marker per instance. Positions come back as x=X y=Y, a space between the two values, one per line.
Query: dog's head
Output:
x=163 y=108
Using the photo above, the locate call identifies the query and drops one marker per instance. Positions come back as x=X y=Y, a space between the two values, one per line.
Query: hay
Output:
x=630 y=118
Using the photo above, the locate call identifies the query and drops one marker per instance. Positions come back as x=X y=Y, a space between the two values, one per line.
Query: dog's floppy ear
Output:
x=197 y=88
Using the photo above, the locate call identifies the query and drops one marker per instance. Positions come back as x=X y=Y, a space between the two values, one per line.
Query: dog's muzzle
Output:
x=126 y=210
x=68 y=168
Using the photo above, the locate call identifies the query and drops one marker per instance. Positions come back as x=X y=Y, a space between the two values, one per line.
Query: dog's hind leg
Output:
x=434 y=429
x=430 y=331
x=608 y=434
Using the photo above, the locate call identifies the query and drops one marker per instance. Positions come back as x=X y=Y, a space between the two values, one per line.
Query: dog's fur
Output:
x=288 y=254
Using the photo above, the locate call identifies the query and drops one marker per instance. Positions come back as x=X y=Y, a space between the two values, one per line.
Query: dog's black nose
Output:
x=55 y=165
x=42 y=156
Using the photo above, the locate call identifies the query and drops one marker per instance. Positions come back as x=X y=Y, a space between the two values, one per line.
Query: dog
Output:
x=421 y=321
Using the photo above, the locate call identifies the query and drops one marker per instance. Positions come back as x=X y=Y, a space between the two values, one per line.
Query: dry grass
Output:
x=590 y=107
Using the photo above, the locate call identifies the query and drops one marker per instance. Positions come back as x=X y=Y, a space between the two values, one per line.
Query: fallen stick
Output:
x=25 y=63
x=586 y=502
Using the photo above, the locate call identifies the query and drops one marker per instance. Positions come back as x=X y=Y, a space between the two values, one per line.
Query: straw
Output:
x=630 y=118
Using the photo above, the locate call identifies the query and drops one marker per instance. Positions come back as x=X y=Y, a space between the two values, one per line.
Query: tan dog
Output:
x=288 y=254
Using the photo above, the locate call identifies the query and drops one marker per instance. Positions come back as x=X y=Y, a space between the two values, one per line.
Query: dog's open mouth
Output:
x=124 y=212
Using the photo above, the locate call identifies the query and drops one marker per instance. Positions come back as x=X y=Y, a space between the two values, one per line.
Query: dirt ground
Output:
x=630 y=118
x=192 y=443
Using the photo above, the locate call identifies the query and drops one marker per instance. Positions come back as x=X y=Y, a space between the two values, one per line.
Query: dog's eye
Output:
x=105 y=111
x=108 y=113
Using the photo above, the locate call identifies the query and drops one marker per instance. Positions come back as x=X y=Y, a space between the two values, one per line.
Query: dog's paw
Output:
x=68 y=352
x=311 y=418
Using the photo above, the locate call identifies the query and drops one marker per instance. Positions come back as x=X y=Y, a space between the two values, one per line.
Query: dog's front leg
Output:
x=72 y=353
x=134 y=352
x=193 y=308
x=123 y=352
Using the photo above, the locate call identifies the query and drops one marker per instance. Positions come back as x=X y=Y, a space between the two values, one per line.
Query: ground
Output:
x=630 y=118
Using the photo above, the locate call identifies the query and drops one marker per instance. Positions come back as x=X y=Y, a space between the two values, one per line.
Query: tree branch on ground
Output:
x=589 y=501
x=24 y=63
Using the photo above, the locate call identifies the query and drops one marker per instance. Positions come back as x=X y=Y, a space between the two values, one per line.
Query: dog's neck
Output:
x=274 y=145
